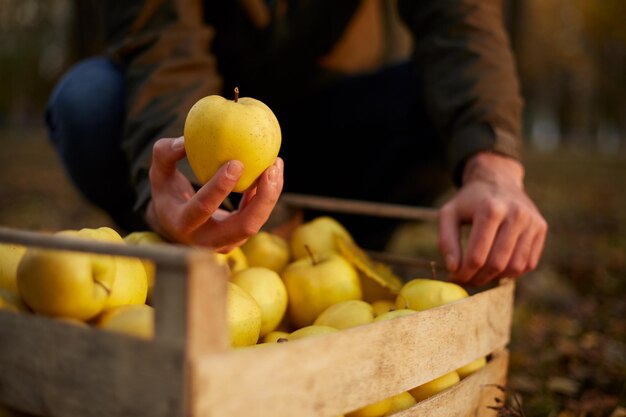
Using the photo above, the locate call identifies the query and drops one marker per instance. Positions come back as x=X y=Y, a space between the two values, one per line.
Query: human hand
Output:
x=183 y=215
x=507 y=231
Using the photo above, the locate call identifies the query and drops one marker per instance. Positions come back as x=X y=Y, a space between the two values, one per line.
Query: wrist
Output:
x=494 y=168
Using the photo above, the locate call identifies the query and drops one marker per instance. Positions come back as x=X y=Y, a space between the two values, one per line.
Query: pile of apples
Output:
x=319 y=281
x=109 y=292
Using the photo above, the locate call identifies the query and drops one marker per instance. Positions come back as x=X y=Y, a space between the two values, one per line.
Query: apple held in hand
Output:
x=218 y=130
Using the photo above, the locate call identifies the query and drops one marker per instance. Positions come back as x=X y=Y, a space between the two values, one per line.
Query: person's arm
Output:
x=472 y=94
x=164 y=47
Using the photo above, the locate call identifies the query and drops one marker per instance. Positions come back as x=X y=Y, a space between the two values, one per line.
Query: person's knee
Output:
x=90 y=97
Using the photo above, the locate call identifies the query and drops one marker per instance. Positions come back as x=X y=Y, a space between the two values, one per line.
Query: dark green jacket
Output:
x=169 y=49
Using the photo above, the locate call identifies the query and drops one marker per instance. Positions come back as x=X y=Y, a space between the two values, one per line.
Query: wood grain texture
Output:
x=58 y=369
x=469 y=398
x=336 y=373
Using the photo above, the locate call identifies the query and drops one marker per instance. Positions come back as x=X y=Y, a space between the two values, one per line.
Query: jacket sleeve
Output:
x=163 y=47
x=468 y=73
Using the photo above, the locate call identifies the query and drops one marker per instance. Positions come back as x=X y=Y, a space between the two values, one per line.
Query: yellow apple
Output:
x=319 y=235
x=218 y=130
x=400 y=402
x=243 y=315
x=146 y=238
x=275 y=336
x=377 y=409
x=268 y=290
x=345 y=314
x=131 y=282
x=394 y=314
x=310 y=331
x=315 y=283
x=422 y=294
x=382 y=306
x=65 y=284
x=435 y=386
x=235 y=260
x=10 y=256
x=471 y=367
x=267 y=250
x=136 y=320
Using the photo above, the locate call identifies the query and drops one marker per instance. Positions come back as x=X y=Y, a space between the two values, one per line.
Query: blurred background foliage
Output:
x=571 y=59
x=568 y=348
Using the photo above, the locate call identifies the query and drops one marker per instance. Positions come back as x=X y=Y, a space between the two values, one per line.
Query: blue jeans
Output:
x=85 y=119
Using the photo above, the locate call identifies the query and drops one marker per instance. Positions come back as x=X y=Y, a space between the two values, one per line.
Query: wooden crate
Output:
x=53 y=368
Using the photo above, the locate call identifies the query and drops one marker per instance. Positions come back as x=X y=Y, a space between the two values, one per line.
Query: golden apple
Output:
x=268 y=290
x=422 y=294
x=310 y=331
x=243 y=315
x=146 y=238
x=377 y=409
x=131 y=282
x=136 y=320
x=65 y=284
x=319 y=235
x=267 y=250
x=218 y=130
x=315 y=283
x=345 y=314
x=400 y=402
x=235 y=260
x=471 y=367
x=10 y=256
x=435 y=386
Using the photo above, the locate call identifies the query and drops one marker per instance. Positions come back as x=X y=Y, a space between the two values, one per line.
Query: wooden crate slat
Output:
x=52 y=368
x=469 y=398
x=339 y=372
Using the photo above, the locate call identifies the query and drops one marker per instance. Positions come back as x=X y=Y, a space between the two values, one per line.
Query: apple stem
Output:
x=311 y=254
x=433 y=269
x=236 y=94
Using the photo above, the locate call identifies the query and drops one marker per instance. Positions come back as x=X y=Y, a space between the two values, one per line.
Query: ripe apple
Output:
x=218 y=130
x=319 y=235
x=10 y=256
x=310 y=331
x=435 y=386
x=268 y=290
x=136 y=320
x=146 y=238
x=377 y=409
x=421 y=294
x=243 y=315
x=401 y=402
x=131 y=282
x=267 y=250
x=235 y=260
x=315 y=284
x=471 y=367
x=65 y=284
x=345 y=314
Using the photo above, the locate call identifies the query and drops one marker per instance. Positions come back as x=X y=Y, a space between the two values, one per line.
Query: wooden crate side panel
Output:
x=336 y=373
x=469 y=398
x=58 y=369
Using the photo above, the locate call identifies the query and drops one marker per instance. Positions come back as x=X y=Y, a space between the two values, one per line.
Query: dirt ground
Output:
x=569 y=336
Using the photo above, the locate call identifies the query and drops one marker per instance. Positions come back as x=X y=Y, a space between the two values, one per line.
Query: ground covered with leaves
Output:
x=568 y=348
